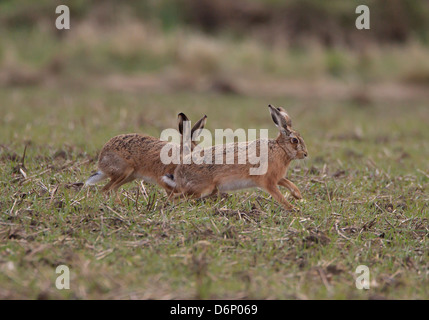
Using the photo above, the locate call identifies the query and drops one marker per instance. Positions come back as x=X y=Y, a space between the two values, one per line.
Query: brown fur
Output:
x=207 y=179
x=127 y=157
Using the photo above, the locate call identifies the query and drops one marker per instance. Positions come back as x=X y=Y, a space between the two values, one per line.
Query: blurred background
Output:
x=359 y=98
x=132 y=65
x=246 y=47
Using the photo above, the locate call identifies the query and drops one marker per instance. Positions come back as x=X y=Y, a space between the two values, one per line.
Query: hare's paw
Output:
x=297 y=194
x=293 y=209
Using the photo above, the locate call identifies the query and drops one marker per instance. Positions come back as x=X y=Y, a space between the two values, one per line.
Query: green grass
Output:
x=365 y=188
x=365 y=183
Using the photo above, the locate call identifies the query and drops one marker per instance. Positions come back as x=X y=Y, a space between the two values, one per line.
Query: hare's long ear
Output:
x=280 y=120
x=196 y=129
x=286 y=116
x=181 y=117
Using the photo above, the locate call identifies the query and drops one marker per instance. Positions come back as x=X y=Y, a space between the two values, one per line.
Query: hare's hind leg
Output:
x=291 y=187
x=124 y=178
x=108 y=185
x=193 y=194
x=216 y=194
x=175 y=197
x=118 y=181
x=107 y=188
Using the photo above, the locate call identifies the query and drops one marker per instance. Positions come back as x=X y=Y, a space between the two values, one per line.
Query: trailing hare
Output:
x=207 y=178
x=135 y=156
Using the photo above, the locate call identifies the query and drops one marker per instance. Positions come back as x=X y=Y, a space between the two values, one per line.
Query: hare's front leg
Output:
x=276 y=194
x=291 y=187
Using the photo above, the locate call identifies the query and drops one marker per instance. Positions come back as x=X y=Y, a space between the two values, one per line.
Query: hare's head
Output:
x=291 y=141
x=192 y=135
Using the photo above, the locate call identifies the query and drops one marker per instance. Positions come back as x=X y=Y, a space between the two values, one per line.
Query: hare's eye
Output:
x=294 y=140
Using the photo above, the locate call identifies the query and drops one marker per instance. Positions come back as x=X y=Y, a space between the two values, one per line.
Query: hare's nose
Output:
x=305 y=154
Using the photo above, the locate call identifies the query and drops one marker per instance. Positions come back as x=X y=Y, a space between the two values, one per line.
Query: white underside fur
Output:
x=236 y=185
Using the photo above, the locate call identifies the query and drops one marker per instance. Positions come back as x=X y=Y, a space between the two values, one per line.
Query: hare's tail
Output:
x=169 y=179
x=96 y=177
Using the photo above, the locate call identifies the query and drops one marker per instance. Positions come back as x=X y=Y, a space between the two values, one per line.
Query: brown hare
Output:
x=135 y=156
x=207 y=178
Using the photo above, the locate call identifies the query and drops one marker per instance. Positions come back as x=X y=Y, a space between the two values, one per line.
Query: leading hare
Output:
x=208 y=178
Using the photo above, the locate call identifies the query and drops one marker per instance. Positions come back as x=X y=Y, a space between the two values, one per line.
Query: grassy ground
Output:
x=365 y=185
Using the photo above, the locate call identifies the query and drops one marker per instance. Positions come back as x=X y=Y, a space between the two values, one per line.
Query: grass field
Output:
x=365 y=186
x=359 y=99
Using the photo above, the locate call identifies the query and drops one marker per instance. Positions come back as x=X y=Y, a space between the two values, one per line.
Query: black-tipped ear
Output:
x=275 y=115
x=275 y=120
x=198 y=127
x=181 y=117
x=279 y=119
x=286 y=116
